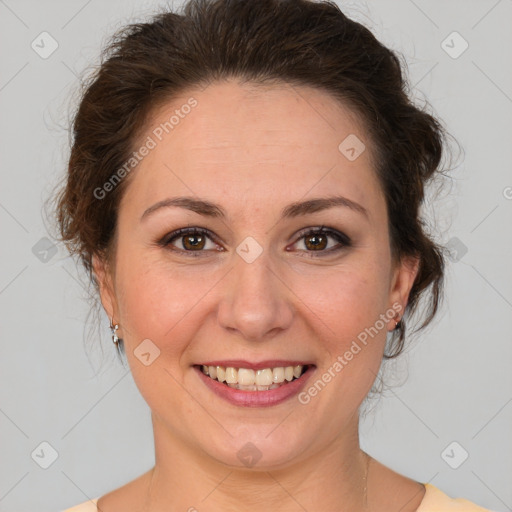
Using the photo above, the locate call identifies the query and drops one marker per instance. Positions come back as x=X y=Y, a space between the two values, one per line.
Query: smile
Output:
x=247 y=379
x=265 y=384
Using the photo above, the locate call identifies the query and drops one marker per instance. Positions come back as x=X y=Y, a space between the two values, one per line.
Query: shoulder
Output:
x=435 y=500
x=130 y=496
x=88 y=506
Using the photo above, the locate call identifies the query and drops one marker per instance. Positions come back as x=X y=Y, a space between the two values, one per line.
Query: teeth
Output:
x=245 y=377
x=251 y=380
x=264 y=377
x=231 y=375
x=278 y=374
x=221 y=373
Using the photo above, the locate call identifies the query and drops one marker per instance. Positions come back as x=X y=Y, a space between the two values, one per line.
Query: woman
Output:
x=244 y=189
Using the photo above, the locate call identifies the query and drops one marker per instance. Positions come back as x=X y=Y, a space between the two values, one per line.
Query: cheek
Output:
x=355 y=340
x=157 y=304
x=155 y=300
x=347 y=298
x=344 y=310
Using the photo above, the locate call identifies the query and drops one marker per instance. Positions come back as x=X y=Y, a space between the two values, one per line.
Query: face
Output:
x=253 y=283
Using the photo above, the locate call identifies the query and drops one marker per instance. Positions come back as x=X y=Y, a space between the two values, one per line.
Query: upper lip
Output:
x=269 y=363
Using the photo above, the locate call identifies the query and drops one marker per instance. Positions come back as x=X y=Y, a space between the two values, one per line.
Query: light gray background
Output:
x=457 y=383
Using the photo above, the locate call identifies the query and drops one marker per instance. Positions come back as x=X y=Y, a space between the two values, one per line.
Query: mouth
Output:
x=248 y=379
x=252 y=385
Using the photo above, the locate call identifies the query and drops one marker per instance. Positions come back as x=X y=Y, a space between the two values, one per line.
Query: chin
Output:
x=256 y=450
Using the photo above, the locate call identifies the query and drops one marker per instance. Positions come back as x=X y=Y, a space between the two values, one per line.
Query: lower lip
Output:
x=256 y=398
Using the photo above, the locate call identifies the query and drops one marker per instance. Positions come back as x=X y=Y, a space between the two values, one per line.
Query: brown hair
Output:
x=299 y=42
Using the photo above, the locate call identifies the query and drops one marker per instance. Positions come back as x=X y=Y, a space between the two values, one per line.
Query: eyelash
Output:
x=341 y=238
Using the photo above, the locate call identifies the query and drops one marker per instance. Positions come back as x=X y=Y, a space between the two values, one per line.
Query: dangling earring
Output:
x=114 y=328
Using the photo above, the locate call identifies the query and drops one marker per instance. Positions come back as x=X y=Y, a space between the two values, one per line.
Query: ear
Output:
x=104 y=277
x=403 y=279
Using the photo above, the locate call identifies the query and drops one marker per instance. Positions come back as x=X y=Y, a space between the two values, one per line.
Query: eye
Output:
x=317 y=240
x=189 y=240
x=194 y=241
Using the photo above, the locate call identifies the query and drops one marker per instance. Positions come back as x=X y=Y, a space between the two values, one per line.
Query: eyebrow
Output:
x=209 y=209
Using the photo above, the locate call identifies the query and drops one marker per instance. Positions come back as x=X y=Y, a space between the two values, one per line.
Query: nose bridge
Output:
x=256 y=301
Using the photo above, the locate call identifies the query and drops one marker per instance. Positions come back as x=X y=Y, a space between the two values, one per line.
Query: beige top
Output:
x=434 y=501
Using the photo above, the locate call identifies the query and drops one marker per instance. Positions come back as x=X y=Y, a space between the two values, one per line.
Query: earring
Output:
x=114 y=328
x=398 y=324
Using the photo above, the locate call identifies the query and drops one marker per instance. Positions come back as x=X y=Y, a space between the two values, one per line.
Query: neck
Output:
x=333 y=478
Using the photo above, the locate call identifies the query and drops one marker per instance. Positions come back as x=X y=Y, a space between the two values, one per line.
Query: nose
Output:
x=256 y=301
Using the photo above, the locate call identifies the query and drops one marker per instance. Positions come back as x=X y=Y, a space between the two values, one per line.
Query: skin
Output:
x=254 y=150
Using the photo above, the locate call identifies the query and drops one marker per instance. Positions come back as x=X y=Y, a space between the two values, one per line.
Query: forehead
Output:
x=255 y=142
x=245 y=113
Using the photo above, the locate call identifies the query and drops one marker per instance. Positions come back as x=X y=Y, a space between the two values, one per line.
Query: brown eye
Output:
x=318 y=240
x=189 y=241
x=192 y=242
